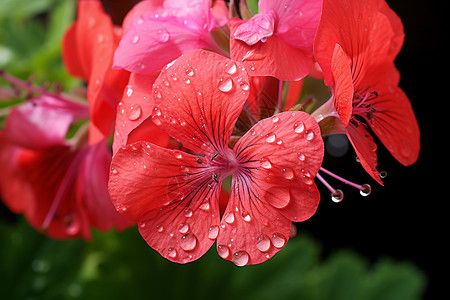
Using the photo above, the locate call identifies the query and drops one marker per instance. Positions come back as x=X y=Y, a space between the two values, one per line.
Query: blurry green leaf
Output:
x=253 y=6
x=122 y=266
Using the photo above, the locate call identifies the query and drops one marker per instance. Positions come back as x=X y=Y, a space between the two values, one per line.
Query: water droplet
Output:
x=307 y=177
x=226 y=85
x=114 y=171
x=188 y=242
x=172 y=253
x=156 y=120
x=246 y=216
x=367 y=189
x=223 y=251
x=232 y=69
x=205 y=206
x=265 y=163
x=288 y=173
x=156 y=112
x=299 y=127
x=337 y=196
x=229 y=217
x=135 y=39
x=309 y=135
x=134 y=112
x=270 y=138
x=252 y=55
x=301 y=156
x=188 y=213
x=279 y=142
x=213 y=232
x=183 y=228
x=190 y=72
x=159 y=228
x=263 y=243
x=278 y=240
x=177 y=155
x=163 y=35
x=240 y=258
x=244 y=86
x=129 y=91
x=275 y=119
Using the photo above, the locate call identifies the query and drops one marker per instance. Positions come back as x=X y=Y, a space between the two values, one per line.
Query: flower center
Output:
x=362 y=108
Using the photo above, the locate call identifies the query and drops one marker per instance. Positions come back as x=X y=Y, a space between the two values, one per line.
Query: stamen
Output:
x=364 y=189
x=336 y=195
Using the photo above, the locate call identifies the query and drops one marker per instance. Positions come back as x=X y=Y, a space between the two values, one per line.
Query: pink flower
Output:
x=278 y=41
x=174 y=195
x=157 y=32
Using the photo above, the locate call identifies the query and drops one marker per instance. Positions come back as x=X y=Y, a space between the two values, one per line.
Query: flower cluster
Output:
x=213 y=139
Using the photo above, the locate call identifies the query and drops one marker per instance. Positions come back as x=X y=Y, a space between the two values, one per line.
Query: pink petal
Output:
x=164 y=32
x=258 y=28
x=273 y=57
x=43 y=122
x=198 y=99
x=170 y=194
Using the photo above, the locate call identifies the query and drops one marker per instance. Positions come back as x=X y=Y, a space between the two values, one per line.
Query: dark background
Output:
x=406 y=218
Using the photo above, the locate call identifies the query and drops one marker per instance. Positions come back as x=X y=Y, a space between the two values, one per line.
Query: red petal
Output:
x=280 y=157
x=365 y=149
x=370 y=34
x=170 y=194
x=198 y=99
x=273 y=57
x=343 y=84
x=395 y=124
x=135 y=108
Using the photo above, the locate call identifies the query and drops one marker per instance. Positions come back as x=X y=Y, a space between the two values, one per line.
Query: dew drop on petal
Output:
x=244 y=86
x=275 y=119
x=172 y=253
x=177 y=155
x=190 y=72
x=307 y=177
x=134 y=112
x=278 y=240
x=270 y=138
x=263 y=243
x=213 y=232
x=288 y=173
x=226 y=85
x=129 y=91
x=309 y=135
x=299 y=127
x=223 y=251
x=367 y=189
x=229 y=217
x=188 y=213
x=163 y=35
x=246 y=216
x=240 y=258
x=301 y=156
x=188 y=242
x=135 y=39
x=265 y=163
x=205 y=206
x=337 y=196
x=183 y=228
x=159 y=228
x=231 y=69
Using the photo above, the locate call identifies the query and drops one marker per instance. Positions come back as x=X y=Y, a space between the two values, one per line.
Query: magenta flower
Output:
x=157 y=32
x=278 y=41
x=174 y=195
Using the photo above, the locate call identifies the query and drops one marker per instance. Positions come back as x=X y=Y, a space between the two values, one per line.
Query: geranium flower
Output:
x=174 y=195
x=87 y=50
x=157 y=32
x=278 y=41
x=356 y=45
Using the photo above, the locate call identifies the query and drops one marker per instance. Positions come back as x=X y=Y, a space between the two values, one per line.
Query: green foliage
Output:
x=121 y=266
x=30 y=39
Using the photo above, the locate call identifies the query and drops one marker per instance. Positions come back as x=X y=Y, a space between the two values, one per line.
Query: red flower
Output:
x=278 y=41
x=88 y=48
x=356 y=44
x=174 y=195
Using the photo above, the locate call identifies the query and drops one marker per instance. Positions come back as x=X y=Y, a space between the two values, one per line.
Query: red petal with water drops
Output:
x=133 y=110
x=395 y=124
x=273 y=57
x=279 y=158
x=198 y=98
x=172 y=196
